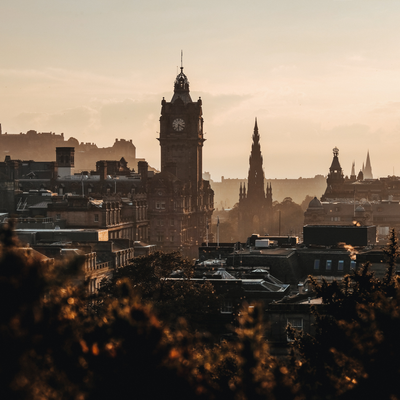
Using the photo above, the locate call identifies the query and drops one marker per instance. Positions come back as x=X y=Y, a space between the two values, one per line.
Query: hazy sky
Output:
x=316 y=74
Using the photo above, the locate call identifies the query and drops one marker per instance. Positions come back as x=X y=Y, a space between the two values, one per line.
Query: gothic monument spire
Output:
x=255 y=185
x=255 y=208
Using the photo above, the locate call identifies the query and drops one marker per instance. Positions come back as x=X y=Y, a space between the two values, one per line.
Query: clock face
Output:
x=178 y=124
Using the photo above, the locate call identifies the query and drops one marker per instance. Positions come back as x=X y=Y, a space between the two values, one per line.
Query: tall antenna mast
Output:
x=181 y=60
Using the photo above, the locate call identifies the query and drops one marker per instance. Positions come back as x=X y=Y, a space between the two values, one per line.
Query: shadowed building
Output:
x=341 y=188
x=335 y=178
x=180 y=201
x=65 y=158
x=359 y=200
x=255 y=205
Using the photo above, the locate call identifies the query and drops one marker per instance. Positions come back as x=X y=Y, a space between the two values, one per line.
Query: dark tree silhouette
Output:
x=353 y=352
x=288 y=217
x=171 y=299
x=53 y=348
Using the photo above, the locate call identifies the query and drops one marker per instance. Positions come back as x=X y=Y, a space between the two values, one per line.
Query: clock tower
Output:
x=180 y=201
x=181 y=134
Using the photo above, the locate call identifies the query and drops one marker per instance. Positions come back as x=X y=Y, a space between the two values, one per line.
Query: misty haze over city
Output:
x=316 y=74
x=199 y=200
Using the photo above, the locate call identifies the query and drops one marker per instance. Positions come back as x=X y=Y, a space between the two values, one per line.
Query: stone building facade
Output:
x=81 y=212
x=180 y=201
x=358 y=187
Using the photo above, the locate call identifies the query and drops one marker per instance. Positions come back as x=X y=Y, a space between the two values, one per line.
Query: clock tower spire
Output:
x=181 y=87
x=180 y=201
x=181 y=133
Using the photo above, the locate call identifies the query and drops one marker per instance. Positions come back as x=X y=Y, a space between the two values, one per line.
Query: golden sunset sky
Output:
x=316 y=74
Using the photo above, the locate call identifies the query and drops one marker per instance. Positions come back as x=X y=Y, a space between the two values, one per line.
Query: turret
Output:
x=335 y=176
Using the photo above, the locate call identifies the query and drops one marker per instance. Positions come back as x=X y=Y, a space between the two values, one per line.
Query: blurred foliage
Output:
x=171 y=299
x=54 y=347
x=354 y=353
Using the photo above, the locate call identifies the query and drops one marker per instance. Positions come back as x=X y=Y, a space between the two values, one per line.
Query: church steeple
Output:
x=368 y=170
x=255 y=183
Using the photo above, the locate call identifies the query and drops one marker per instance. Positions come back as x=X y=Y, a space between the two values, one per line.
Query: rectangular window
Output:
x=172 y=238
x=158 y=205
x=163 y=205
x=227 y=307
x=316 y=265
x=160 y=238
x=58 y=217
x=340 y=265
x=172 y=222
x=353 y=264
x=96 y=217
x=328 y=265
x=296 y=323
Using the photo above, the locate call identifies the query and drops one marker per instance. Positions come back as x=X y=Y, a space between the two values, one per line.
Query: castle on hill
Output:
x=37 y=146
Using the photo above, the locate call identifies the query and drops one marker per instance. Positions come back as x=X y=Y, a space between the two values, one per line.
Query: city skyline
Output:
x=317 y=75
